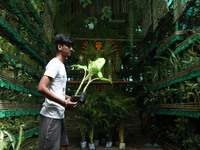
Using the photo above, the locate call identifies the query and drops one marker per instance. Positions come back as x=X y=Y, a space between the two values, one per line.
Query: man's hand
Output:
x=70 y=103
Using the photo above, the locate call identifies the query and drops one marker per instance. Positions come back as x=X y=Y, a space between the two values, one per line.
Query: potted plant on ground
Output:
x=124 y=109
x=110 y=120
x=82 y=121
x=95 y=116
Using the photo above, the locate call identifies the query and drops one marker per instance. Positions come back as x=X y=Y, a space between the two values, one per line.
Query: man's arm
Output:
x=42 y=89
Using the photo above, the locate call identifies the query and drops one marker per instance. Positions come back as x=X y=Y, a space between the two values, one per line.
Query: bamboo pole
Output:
x=93 y=39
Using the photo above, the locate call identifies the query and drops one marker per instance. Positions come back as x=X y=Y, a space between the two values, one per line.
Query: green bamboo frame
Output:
x=13 y=113
x=18 y=88
x=18 y=38
x=193 y=114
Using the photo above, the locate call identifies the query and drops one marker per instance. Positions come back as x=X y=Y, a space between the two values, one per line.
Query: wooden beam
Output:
x=91 y=39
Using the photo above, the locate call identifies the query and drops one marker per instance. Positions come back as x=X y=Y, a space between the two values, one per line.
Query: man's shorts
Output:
x=52 y=133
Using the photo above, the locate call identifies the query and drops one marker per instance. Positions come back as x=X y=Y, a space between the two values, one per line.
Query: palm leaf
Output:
x=21 y=138
x=1 y=140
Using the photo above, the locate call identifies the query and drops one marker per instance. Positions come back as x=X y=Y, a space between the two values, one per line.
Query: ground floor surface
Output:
x=134 y=143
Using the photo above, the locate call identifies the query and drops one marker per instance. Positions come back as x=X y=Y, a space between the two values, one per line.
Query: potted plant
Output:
x=110 y=120
x=95 y=115
x=93 y=69
x=82 y=121
x=124 y=109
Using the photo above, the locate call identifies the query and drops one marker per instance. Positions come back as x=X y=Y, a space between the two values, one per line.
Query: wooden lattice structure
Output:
x=160 y=9
x=180 y=6
x=146 y=17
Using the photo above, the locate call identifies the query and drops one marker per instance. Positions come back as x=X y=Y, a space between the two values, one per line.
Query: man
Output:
x=52 y=134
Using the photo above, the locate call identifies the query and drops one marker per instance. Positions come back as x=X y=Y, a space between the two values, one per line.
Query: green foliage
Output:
x=11 y=141
x=192 y=89
x=174 y=61
x=85 y=3
x=179 y=130
x=30 y=144
x=190 y=58
x=94 y=113
x=170 y=65
x=94 y=68
x=13 y=124
x=163 y=96
x=81 y=120
x=91 y=19
x=11 y=95
x=127 y=109
x=105 y=113
x=7 y=50
x=107 y=13
x=193 y=142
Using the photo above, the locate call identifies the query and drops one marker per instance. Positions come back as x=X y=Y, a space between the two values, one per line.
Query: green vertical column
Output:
x=157 y=33
x=17 y=50
x=18 y=30
x=184 y=137
x=152 y=12
x=176 y=26
x=161 y=126
x=180 y=95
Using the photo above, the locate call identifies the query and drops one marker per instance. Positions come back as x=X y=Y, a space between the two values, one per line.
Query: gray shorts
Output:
x=52 y=133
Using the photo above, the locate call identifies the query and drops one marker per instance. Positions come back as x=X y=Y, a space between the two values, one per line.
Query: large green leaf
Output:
x=1 y=140
x=79 y=67
x=105 y=79
x=21 y=138
x=7 y=144
x=11 y=137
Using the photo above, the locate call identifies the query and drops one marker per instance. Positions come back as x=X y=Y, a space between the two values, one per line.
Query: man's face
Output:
x=65 y=50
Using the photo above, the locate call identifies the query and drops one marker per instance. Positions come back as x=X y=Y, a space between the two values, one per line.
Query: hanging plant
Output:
x=84 y=3
x=91 y=19
x=107 y=13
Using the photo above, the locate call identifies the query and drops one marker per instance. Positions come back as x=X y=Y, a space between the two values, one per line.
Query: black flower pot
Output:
x=80 y=99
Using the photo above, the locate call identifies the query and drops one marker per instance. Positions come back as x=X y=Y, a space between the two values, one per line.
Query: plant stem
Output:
x=89 y=83
x=91 y=134
x=84 y=78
